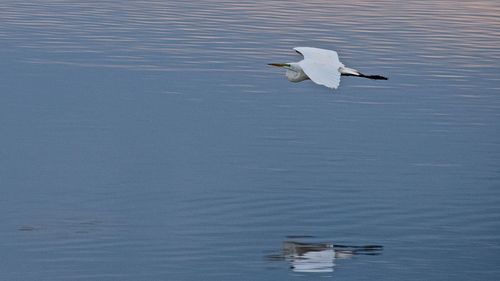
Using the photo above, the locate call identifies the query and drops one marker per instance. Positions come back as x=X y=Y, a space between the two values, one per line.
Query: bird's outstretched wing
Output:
x=321 y=66
x=317 y=54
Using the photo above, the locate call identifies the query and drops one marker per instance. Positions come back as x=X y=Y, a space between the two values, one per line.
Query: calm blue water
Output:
x=149 y=140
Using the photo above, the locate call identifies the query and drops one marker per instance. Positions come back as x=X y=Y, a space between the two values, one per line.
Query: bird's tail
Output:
x=346 y=71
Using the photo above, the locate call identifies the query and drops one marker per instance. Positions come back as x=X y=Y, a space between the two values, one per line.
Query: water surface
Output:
x=149 y=140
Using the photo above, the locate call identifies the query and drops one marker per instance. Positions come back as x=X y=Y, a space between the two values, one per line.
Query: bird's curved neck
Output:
x=294 y=73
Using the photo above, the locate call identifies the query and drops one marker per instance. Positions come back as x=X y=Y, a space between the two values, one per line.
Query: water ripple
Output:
x=207 y=157
x=159 y=35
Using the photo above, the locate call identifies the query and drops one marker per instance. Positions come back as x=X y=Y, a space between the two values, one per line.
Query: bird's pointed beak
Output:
x=278 y=64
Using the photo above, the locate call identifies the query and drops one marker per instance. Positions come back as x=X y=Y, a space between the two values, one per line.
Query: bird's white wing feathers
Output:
x=321 y=66
x=321 y=73
x=320 y=55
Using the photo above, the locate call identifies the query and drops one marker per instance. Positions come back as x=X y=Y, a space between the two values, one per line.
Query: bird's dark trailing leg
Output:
x=373 y=77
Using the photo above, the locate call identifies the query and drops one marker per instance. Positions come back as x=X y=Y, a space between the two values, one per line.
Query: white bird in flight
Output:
x=321 y=66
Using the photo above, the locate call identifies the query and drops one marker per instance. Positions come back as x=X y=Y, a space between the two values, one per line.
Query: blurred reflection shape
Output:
x=319 y=257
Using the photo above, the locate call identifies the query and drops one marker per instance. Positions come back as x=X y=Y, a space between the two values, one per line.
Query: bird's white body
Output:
x=322 y=66
x=295 y=73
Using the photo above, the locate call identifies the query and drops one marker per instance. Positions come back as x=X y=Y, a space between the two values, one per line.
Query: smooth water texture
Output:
x=149 y=140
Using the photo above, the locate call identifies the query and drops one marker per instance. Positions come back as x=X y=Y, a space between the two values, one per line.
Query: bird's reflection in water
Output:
x=320 y=257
